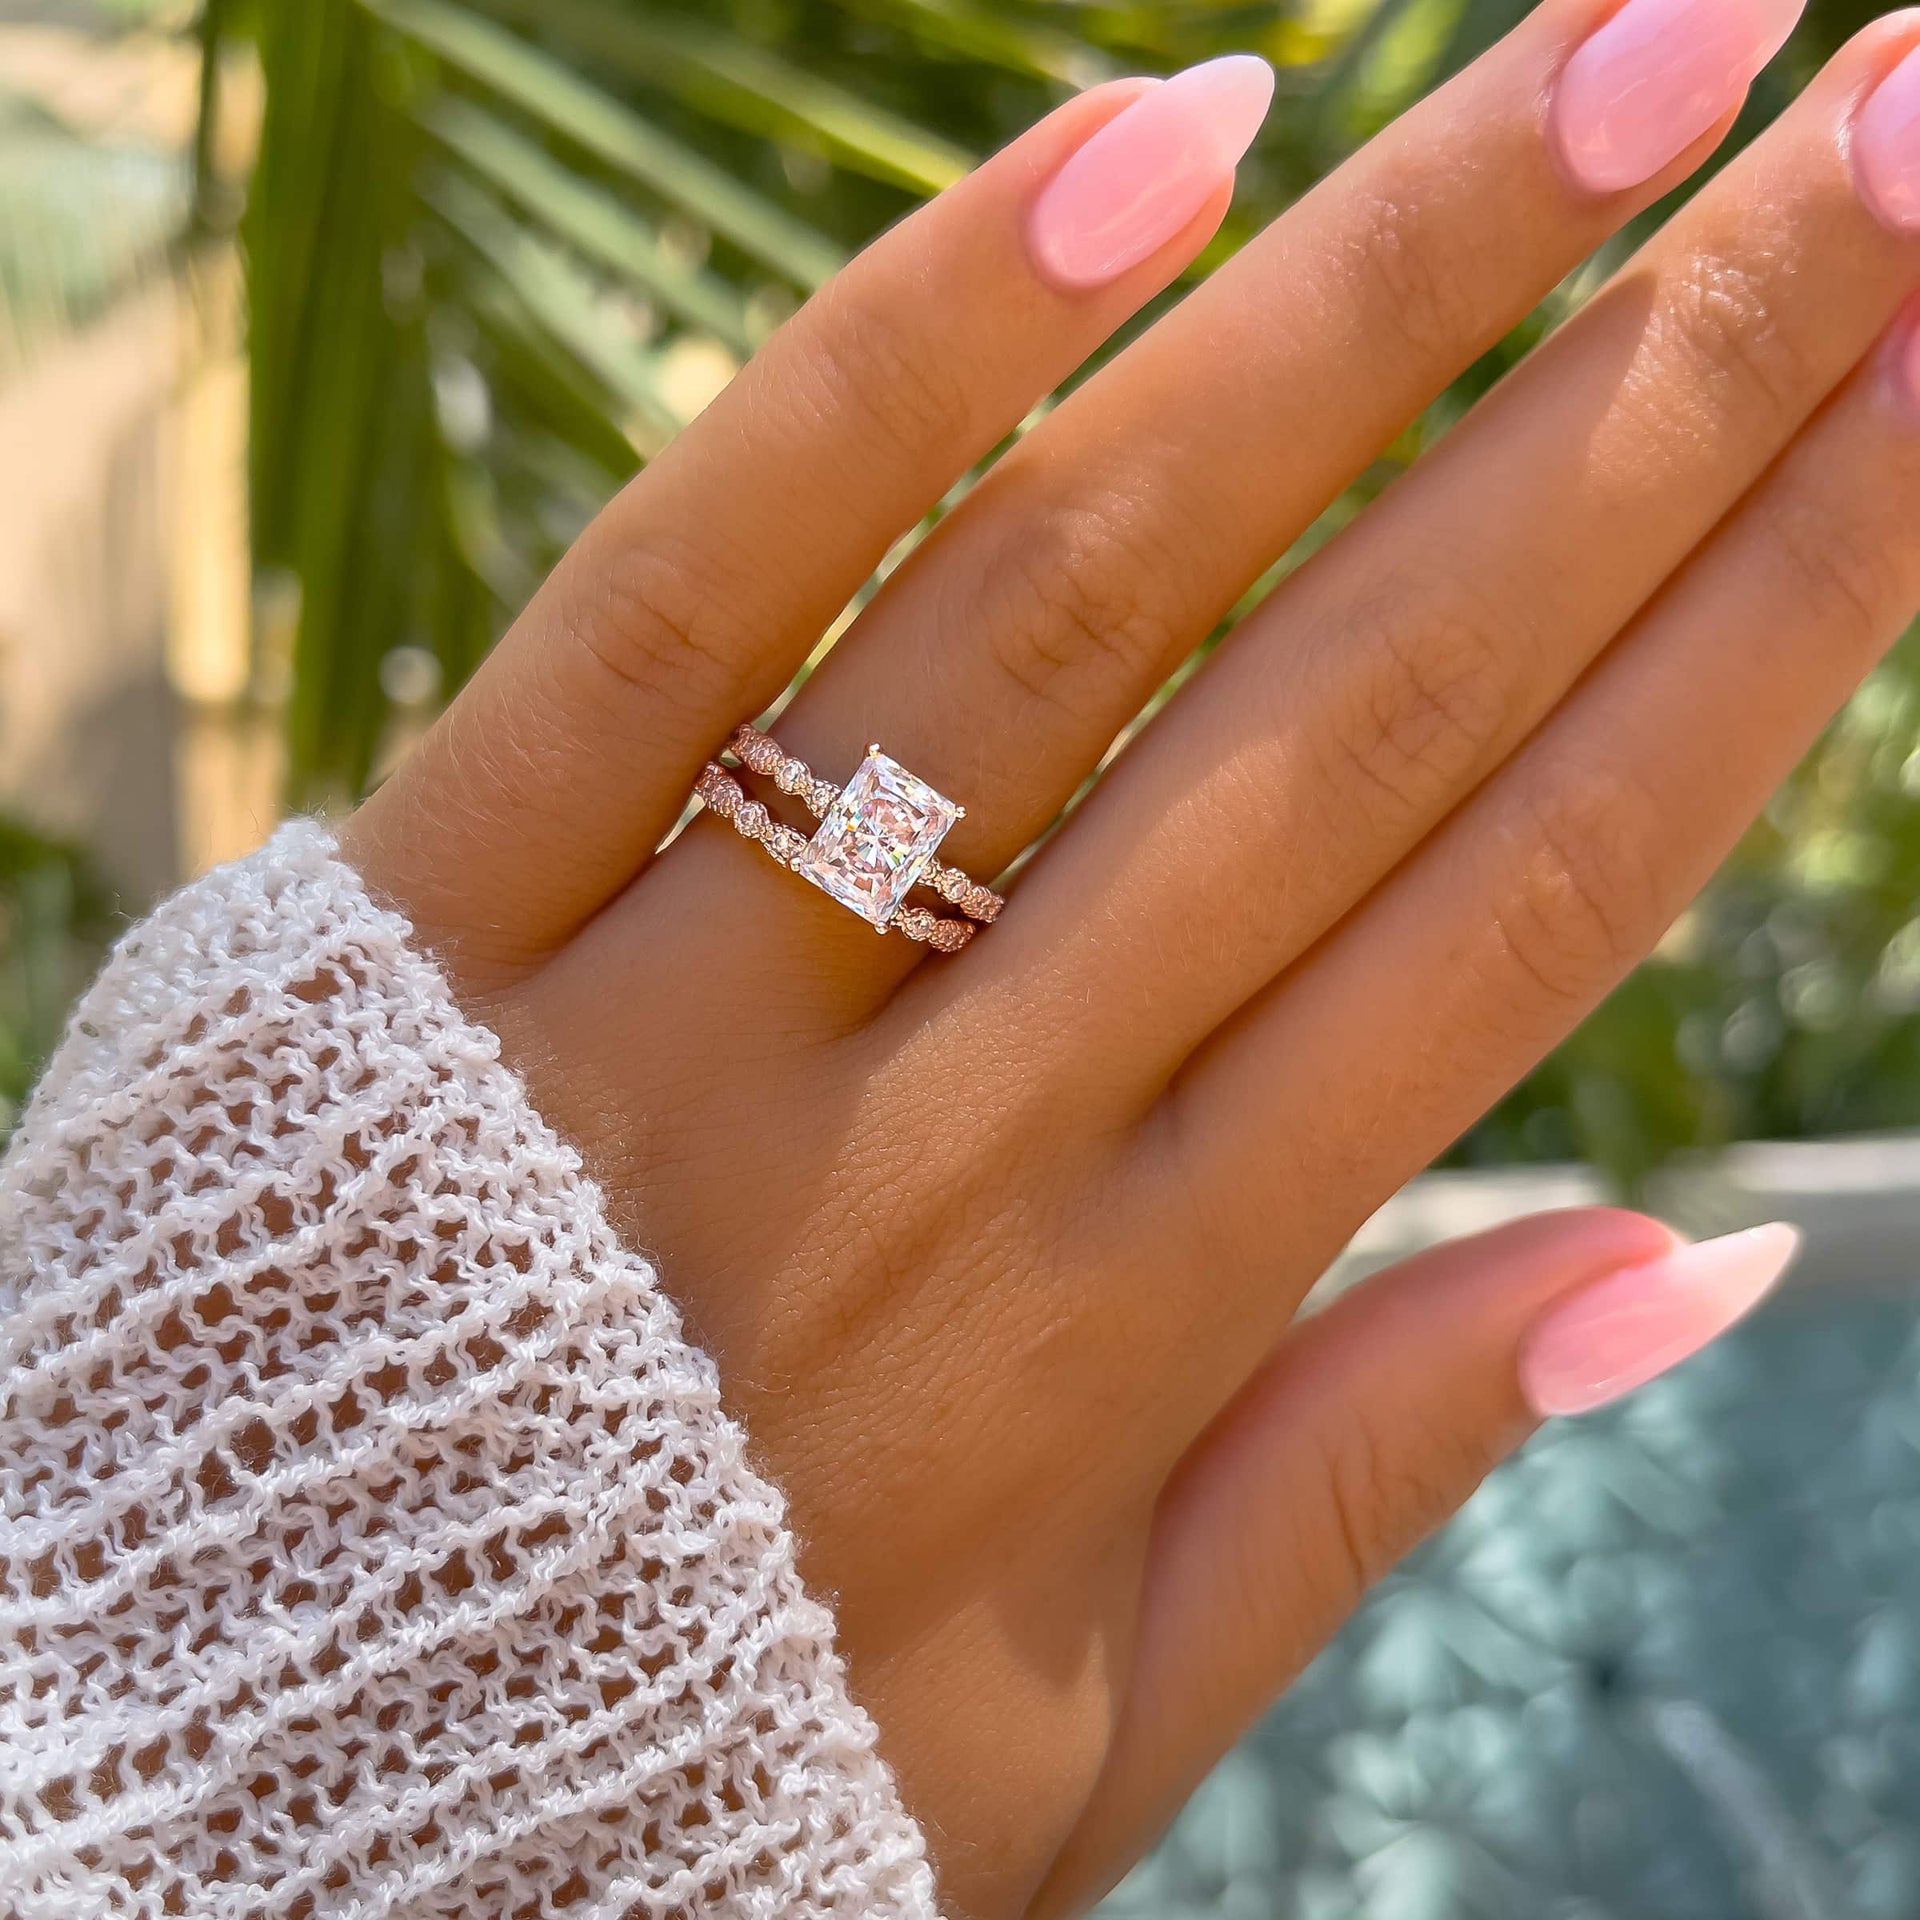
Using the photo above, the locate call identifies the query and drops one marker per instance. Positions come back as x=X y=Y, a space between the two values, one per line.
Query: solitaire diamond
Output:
x=876 y=838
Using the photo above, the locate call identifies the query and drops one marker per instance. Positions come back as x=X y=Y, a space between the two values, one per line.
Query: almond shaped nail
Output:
x=1886 y=147
x=1649 y=81
x=1142 y=178
x=1618 y=1333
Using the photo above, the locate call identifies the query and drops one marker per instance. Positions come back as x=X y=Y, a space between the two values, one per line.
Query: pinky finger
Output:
x=1370 y=1425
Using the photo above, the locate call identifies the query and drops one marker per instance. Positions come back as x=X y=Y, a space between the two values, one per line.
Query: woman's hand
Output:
x=998 y=1253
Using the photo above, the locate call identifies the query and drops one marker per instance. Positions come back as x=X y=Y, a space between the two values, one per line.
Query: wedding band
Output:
x=874 y=844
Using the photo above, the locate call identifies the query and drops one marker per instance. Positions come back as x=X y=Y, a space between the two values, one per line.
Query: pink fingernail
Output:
x=1643 y=87
x=1886 y=147
x=1618 y=1333
x=1146 y=173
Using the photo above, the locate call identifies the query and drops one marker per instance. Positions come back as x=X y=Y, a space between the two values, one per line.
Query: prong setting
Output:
x=877 y=837
x=875 y=843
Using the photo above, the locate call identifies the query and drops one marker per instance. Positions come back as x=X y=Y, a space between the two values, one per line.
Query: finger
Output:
x=1369 y=1426
x=693 y=597
x=1003 y=658
x=1488 y=946
x=1403 y=664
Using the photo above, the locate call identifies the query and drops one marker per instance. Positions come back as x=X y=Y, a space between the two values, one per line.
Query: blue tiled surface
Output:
x=1665 y=1666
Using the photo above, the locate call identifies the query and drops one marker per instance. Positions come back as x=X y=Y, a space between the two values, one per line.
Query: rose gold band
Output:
x=764 y=755
x=725 y=796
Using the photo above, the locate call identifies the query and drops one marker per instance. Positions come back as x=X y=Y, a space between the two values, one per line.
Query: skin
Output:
x=1000 y=1256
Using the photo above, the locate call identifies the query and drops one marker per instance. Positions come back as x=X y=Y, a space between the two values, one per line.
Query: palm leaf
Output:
x=996 y=38
x=586 y=116
x=752 y=88
x=586 y=217
x=558 y=297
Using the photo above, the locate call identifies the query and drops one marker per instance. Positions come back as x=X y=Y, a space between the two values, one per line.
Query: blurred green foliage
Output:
x=55 y=919
x=499 y=251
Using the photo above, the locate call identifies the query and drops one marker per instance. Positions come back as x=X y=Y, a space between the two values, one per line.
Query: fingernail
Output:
x=1618 y=1333
x=1643 y=87
x=1886 y=147
x=1146 y=173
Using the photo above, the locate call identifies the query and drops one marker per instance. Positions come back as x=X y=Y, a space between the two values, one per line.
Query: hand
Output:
x=998 y=1253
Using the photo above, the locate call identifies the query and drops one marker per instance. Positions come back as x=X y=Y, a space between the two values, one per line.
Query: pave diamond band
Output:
x=874 y=844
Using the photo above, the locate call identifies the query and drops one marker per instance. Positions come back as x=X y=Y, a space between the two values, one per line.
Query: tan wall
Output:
x=85 y=721
x=125 y=720
x=123 y=595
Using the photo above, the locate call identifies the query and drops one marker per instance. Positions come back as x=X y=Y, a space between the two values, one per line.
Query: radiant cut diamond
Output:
x=877 y=837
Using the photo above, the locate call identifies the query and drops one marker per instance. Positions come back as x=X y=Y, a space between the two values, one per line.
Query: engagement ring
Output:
x=875 y=842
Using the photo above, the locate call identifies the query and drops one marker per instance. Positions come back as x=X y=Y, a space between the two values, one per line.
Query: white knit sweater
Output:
x=372 y=1542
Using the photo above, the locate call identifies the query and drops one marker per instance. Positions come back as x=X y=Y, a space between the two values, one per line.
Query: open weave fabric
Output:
x=372 y=1542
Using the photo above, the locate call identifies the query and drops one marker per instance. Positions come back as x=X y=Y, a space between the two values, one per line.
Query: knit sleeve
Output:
x=372 y=1541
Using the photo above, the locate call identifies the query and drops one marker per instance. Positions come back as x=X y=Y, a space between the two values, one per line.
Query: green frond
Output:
x=587 y=217
x=584 y=116
x=731 y=80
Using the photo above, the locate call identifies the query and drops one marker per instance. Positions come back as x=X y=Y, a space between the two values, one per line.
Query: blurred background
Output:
x=326 y=324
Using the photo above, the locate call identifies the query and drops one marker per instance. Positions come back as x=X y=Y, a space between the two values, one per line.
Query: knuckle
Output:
x=1388 y=1488
x=1074 y=608
x=1724 y=310
x=1348 y=1481
x=1423 y=696
x=869 y=366
x=1835 y=565
x=653 y=620
x=1419 y=271
x=1584 y=895
x=1209 y=1226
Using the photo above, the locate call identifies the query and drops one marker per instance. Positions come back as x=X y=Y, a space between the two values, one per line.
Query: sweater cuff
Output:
x=371 y=1539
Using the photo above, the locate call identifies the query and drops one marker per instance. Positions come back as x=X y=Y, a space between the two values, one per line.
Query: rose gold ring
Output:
x=875 y=842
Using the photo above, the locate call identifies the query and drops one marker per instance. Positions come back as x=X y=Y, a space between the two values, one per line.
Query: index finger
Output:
x=695 y=595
